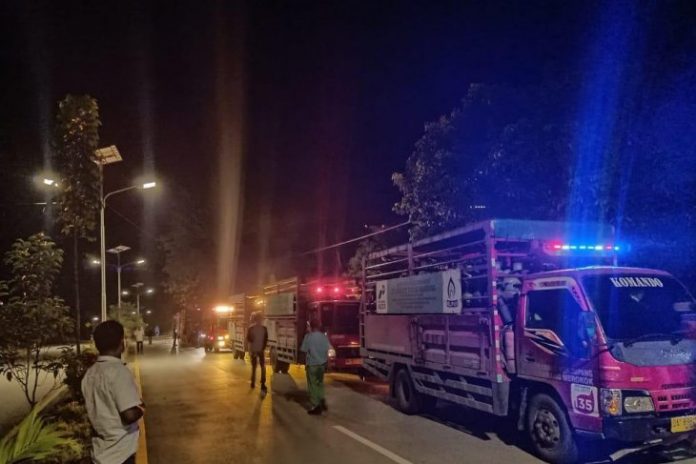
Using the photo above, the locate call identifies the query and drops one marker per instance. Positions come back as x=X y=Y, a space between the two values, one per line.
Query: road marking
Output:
x=383 y=451
x=141 y=455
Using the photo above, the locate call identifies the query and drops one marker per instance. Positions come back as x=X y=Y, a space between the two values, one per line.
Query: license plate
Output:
x=353 y=361
x=683 y=424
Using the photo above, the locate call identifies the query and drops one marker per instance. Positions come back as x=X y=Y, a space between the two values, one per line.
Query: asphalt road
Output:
x=200 y=409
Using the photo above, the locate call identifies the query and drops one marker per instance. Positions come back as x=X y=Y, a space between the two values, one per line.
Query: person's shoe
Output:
x=253 y=385
x=314 y=411
x=263 y=387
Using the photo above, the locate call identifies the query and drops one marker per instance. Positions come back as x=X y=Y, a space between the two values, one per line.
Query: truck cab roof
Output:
x=583 y=271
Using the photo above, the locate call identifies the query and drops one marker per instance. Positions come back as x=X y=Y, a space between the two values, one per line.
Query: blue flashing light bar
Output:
x=558 y=247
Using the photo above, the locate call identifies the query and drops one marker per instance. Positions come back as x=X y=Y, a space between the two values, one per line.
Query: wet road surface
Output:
x=200 y=409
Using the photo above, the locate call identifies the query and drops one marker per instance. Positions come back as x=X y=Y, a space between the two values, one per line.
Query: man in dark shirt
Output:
x=257 y=339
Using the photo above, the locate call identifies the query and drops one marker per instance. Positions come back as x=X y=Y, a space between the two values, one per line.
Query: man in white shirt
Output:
x=139 y=335
x=113 y=403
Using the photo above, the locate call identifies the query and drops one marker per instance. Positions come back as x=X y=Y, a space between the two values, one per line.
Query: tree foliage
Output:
x=189 y=267
x=521 y=154
x=76 y=139
x=127 y=316
x=365 y=247
x=489 y=152
x=31 y=316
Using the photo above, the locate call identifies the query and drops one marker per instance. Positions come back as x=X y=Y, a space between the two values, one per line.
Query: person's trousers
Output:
x=315 y=384
x=139 y=347
x=130 y=460
x=260 y=359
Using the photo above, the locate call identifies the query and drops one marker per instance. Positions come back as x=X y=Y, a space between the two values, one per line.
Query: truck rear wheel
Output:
x=274 y=360
x=407 y=398
x=549 y=431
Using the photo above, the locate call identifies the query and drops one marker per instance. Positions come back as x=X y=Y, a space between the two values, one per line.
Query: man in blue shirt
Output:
x=316 y=345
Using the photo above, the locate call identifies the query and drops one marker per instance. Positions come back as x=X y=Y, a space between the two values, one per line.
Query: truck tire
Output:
x=549 y=431
x=274 y=361
x=283 y=367
x=407 y=398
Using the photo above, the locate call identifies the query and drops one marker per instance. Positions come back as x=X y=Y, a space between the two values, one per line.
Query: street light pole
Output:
x=144 y=186
x=118 y=274
x=102 y=234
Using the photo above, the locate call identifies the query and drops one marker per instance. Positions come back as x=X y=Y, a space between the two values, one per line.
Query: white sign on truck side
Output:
x=434 y=293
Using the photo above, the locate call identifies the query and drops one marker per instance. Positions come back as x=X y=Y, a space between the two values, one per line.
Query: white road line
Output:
x=383 y=451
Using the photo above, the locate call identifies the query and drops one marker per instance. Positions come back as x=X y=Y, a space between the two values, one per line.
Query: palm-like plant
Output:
x=33 y=439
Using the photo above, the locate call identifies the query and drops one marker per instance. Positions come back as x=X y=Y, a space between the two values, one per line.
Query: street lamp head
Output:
x=125 y=293
x=150 y=291
x=96 y=262
x=149 y=185
x=95 y=318
x=148 y=311
x=140 y=261
x=50 y=182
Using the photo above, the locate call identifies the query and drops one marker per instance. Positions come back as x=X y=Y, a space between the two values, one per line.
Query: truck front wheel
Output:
x=549 y=431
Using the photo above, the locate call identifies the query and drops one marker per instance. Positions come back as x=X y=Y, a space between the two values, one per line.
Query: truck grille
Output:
x=346 y=352
x=675 y=400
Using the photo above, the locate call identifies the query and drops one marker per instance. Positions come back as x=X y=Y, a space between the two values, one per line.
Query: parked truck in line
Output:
x=244 y=306
x=534 y=321
x=217 y=335
x=289 y=306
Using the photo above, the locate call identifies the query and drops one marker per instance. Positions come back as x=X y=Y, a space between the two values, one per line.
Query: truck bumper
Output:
x=639 y=429
x=345 y=364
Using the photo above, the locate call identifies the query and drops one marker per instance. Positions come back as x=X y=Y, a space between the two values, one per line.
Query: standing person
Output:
x=316 y=345
x=112 y=400
x=139 y=335
x=148 y=334
x=257 y=338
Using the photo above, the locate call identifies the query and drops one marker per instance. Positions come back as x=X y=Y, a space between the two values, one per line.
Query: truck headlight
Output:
x=227 y=337
x=220 y=337
x=610 y=400
x=221 y=343
x=332 y=353
x=633 y=404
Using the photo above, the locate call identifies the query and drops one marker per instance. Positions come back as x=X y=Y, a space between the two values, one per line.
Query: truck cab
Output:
x=617 y=346
x=289 y=306
x=339 y=316
x=217 y=336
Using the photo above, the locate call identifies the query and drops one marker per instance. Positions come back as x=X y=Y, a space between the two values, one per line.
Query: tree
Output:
x=75 y=142
x=31 y=316
x=490 y=152
x=127 y=316
x=365 y=247
x=189 y=267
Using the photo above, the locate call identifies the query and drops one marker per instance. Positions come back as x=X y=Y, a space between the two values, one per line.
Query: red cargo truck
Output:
x=290 y=304
x=535 y=321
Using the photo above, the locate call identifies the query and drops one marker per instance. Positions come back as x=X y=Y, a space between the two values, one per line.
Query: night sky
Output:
x=336 y=94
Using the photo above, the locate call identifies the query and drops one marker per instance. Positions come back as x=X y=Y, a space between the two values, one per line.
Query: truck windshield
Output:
x=340 y=318
x=635 y=306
